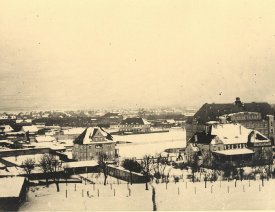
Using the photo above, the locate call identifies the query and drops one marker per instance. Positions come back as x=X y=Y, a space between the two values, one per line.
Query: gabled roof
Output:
x=134 y=121
x=89 y=133
x=6 y=128
x=229 y=134
x=211 y=112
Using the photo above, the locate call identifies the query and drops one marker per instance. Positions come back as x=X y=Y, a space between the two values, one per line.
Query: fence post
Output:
x=114 y=192
x=98 y=192
x=129 y=192
x=66 y=193
x=82 y=193
x=243 y=188
x=74 y=187
x=178 y=191
x=228 y=189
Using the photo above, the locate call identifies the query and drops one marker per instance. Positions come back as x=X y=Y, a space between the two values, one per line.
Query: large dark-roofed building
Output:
x=254 y=115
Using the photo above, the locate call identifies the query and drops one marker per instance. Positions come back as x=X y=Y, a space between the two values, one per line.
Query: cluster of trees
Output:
x=66 y=121
x=232 y=170
x=151 y=167
x=50 y=166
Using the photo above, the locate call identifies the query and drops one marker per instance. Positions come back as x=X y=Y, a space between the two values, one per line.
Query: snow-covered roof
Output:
x=87 y=136
x=235 y=151
x=19 y=160
x=135 y=121
x=241 y=113
x=51 y=145
x=6 y=128
x=171 y=121
x=77 y=164
x=235 y=134
x=44 y=138
x=11 y=186
x=31 y=129
x=74 y=131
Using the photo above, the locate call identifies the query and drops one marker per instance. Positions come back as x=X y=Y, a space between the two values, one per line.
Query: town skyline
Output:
x=96 y=54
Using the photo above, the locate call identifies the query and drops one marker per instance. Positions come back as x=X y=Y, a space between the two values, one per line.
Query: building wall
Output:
x=250 y=121
x=134 y=128
x=92 y=151
x=192 y=128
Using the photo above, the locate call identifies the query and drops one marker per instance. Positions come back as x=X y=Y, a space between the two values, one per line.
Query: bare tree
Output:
x=103 y=166
x=51 y=167
x=28 y=166
x=147 y=166
x=159 y=167
x=194 y=164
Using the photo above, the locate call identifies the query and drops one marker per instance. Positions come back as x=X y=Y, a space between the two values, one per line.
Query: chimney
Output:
x=196 y=138
x=238 y=102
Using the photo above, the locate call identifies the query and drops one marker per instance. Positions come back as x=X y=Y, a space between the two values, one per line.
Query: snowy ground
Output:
x=142 y=144
x=181 y=196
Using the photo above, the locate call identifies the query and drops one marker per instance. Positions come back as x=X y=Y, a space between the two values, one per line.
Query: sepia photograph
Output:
x=137 y=105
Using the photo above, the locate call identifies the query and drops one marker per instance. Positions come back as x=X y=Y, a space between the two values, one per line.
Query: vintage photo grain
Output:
x=137 y=105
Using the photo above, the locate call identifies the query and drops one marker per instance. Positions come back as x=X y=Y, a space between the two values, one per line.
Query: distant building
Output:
x=109 y=119
x=135 y=125
x=4 y=117
x=4 y=129
x=231 y=142
x=93 y=142
x=255 y=115
x=30 y=129
x=13 y=193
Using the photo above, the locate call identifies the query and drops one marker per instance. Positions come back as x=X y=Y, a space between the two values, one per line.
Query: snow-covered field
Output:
x=150 y=143
x=181 y=196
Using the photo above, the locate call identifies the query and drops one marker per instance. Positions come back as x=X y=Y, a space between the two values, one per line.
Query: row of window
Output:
x=90 y=155
x=97 y=146
x=235 y=146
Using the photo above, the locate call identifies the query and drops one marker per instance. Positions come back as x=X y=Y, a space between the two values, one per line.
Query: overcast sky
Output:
x=86 y=54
